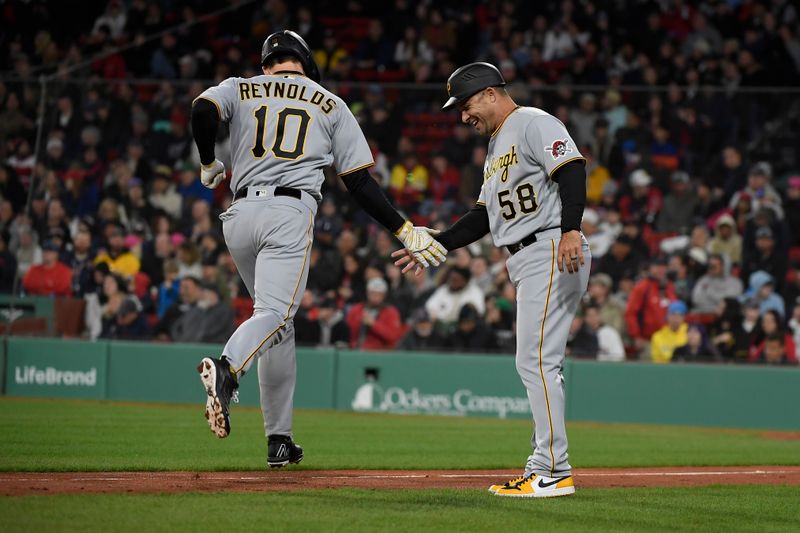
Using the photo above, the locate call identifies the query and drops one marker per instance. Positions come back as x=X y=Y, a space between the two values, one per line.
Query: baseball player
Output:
x=285 y=129
x=532 y=201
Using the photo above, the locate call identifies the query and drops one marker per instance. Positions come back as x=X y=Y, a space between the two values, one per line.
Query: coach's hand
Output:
x=213 y=174
x=422 y=248
x=570 y=251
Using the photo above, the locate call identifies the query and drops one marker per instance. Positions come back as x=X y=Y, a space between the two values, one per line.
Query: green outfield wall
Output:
x=422 y=383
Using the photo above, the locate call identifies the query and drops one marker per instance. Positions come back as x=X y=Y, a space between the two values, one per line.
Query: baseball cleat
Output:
x=508 y=484
x=535 y=486
x=220 y=385
x=281 y=451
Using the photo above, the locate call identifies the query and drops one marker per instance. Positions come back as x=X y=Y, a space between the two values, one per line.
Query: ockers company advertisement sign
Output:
x=373 y=397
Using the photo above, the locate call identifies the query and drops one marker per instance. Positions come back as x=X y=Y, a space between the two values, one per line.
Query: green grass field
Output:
x=706 y=509
x=50 y=435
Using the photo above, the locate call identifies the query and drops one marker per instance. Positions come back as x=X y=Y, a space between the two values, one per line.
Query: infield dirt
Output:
x=44 y=483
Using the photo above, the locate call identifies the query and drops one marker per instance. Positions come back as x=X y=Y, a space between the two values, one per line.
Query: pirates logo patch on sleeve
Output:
x=559 y=148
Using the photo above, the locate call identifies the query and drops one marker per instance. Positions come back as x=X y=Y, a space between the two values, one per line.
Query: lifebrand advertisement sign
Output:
x=53 y=368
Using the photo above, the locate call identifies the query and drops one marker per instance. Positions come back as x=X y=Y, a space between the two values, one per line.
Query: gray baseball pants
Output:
x=546 y=304
x=269 y=238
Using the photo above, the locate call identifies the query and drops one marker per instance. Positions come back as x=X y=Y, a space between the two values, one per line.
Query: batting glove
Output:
x=423 y=247
x=213 y=174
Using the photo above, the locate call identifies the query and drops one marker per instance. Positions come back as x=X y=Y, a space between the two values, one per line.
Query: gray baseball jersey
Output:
x=285 y=129
x=517 y=191
x=521 y=198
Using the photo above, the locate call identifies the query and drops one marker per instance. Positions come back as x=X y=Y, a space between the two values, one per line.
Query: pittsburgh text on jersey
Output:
x=504 y=161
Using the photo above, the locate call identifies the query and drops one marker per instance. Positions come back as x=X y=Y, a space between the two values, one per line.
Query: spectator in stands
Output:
x=119 y=258
x=115 y=294
x=374 y=325
x=679 y=205
x=726 y=332
x=412 y=294
x=458 y=147
x=762 y=291
x=611 y=310
x=470 y=333
x=775 y=352
x=671 y=335
x=771 y=324
x=375 y=51
x=189 y=260
x=327 y=225
x=422 y=336
x=25 y=247
x=766 y=257
x=128 y=323
x=599 y=240
x=646 y=311
x=216 y=320
x=794 y=323
x=792 y=206
x=333 y=330
x=595 y=339
x=759 y=190
x=82 y=262
x=678 y=274
x=169 y=288
x=8 y=265
x=330 y=55
x=154 y=254
x=698 y=348
x=352 y=286
x=445 y=303
x=643 y=203
x=173 y=325
x=51 y=277
x=306 y=326
x=726 y=242
x=162 y=192
x=620 y=261
x=409 y=181
x=715 y=286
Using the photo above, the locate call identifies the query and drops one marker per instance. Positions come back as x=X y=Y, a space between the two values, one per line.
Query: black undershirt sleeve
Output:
x=571 y=179
x=205 y=120
x=370 y=197
x=467 y=229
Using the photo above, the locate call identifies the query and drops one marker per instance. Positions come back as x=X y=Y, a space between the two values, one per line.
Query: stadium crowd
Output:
x=694 y=225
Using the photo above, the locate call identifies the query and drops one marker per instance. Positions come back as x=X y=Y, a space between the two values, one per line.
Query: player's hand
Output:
x=424 y=249
x=213 y=174
x=570 y=252
x=405 y=258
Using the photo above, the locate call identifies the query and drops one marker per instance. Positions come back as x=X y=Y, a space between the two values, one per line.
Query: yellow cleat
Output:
x=508 y=484
x=535 y=486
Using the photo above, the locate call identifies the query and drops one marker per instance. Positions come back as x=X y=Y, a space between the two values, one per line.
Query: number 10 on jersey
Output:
x=277 y=147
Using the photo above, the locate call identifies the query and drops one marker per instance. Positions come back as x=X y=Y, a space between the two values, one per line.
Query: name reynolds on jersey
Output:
x=504 y=161
x=279 y=89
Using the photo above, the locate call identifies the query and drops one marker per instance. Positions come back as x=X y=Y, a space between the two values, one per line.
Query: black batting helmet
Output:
x=470 y=79
x=288 y=42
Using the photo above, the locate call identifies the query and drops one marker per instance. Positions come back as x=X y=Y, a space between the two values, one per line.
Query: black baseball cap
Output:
x=470 y=79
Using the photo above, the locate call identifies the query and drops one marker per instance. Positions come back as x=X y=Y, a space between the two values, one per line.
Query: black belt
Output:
x=527 y=241
x=279 y=191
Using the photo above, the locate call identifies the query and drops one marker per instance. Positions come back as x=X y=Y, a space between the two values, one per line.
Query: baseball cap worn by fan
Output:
x=764 y=232
x=470 y=79
x=640 y=178
x=377 y=285
x=677 y=308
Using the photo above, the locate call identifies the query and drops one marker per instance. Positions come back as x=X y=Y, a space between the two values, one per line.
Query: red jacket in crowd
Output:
x=647 y=307
x=53 y=281
x=383 y=334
